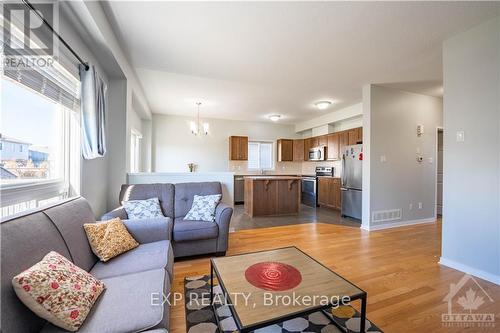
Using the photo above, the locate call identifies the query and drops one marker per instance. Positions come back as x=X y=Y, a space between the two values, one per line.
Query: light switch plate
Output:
x=460 y=136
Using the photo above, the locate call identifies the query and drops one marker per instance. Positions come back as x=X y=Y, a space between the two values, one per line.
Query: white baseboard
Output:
x=470 y=270
x=398 y=224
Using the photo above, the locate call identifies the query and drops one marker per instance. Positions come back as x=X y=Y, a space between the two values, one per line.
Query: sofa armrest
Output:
x=223 y=215
x=150 y=230
x=117 y=212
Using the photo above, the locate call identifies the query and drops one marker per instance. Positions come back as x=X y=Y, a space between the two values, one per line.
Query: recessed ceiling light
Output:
x=275 y=117
x=322 y=105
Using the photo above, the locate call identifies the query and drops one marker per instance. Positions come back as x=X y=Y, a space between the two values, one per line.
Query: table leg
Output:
x=362 y=322
x=211 y=283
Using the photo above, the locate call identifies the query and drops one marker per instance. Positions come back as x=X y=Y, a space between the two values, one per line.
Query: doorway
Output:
x=439 y=176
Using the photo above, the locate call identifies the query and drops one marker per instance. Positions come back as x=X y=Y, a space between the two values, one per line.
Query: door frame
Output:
x=438 y=128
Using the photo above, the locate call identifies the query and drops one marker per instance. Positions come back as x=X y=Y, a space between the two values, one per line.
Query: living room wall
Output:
x=174 y=146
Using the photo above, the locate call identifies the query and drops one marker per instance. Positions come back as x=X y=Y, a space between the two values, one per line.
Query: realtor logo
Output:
x=28 y=42
x=464 y=302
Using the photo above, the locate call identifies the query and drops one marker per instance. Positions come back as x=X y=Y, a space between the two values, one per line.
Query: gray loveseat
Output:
x=188 y=237
x=132 y=279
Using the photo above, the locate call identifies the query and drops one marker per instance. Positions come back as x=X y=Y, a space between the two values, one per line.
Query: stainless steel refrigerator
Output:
x=352 y=166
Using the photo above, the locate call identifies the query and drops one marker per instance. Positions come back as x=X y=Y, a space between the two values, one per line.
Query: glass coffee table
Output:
x=269 y=287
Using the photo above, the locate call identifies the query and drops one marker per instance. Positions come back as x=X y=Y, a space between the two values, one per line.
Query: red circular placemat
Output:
x=273 y=276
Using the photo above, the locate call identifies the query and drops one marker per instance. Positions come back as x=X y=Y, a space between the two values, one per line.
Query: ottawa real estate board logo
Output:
x=465 y=300
x=27 y=39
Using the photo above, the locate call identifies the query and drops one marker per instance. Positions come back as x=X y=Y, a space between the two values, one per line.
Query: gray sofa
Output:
x=188 y=237
x=131 y=279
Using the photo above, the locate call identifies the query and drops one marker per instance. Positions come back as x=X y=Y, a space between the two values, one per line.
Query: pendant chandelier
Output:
x=196 y=127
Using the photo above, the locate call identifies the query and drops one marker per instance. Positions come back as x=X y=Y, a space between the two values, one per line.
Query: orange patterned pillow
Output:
x=58 y=291
x=109 y=238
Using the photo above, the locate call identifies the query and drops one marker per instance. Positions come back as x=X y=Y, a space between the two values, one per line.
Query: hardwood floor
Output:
x=397 y=267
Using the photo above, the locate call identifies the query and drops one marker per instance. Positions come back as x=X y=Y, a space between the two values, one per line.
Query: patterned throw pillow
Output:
x=143 y=209
x=203 y=208
x=58 y=291
x=109 y=238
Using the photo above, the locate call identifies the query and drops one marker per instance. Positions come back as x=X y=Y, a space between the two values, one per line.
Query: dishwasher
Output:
x=239 y=190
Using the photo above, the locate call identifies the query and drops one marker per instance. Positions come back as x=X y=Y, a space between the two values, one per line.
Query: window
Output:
x=135 y=150
x=42 y=137
x=260 y=155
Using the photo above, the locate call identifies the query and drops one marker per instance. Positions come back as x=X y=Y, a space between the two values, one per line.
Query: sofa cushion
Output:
x=194 y=230
x=164 y=192
x=203 y=208
x=58 y=291
x=127 y=304
x=145 y=257
x=109 y=239
x=185 y=192
x=143 y=209
x=25 y=241
x=69 y=219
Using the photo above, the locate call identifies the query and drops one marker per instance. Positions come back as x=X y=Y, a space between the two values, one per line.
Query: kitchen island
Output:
x=272 y=195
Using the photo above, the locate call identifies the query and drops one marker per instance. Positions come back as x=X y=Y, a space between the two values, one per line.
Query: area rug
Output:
x=201 y=317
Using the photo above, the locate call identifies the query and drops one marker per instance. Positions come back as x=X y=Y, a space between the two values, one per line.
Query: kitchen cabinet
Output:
x=238 y=148
x=322 y=140
x=343 y=141
x=307 y=146
x=298 y=150
x=285 y=150
x=332 y=146
x=355 y=135
x=329 y=192
x=314 y=141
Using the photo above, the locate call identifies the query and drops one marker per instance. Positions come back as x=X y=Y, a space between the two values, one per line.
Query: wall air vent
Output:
x=386 y=215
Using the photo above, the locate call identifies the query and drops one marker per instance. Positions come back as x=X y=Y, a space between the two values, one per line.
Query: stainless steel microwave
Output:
x=317 y=154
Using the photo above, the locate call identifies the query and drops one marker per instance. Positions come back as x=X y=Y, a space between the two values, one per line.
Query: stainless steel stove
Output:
x=309 y=195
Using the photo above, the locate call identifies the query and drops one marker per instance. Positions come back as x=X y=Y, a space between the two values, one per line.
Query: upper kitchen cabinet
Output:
x=355 y=135
x=308 y=144
x=343 y=141
x=238 y=148
x=285 y=150
x=333 y=146
x=322 y=141
x=298 y=150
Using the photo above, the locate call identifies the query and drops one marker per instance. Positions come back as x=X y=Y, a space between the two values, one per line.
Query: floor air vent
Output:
x=386 y=215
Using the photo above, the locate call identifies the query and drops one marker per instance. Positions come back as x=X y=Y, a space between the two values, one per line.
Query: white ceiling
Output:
x=245 y=61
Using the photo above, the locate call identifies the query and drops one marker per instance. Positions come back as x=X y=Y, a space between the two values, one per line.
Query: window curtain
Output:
x=93 y=113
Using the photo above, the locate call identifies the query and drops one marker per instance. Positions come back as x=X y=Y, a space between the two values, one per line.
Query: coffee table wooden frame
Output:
x=243 y=329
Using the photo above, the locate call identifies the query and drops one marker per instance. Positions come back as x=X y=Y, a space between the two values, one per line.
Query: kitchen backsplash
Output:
x=285 y=168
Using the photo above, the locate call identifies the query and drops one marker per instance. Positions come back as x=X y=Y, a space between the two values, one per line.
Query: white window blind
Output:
x=260 y=155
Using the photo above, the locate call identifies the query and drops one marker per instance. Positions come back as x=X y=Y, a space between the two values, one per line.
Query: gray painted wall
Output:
x=471 y=198
x=401 y=180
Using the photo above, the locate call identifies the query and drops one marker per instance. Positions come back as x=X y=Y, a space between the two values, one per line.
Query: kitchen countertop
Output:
x=272 y=177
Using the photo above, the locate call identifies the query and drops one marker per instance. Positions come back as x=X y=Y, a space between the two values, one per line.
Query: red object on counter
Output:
x=273 y=276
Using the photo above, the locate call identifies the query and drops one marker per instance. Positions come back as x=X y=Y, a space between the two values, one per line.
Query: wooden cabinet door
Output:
x=322 y=140
x=298 y=150
x=238 y=148
x=332 y=147
x=243 y=148
x=353 y=136
x=314 y=142
x=265 y=196
x=324 y=191
x=336 y=196
x=343 y=141
x=285 y=150
x=307 y=146
x=360 y=134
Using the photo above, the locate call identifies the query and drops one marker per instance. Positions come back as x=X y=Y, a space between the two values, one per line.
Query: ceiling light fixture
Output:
x=322 y=105
x=275 y=117
x=195 y=127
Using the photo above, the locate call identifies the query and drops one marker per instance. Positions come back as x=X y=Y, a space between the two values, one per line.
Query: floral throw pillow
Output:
x=203 y=208
x=143 y=209
x=109 y=239
x=58 y=291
